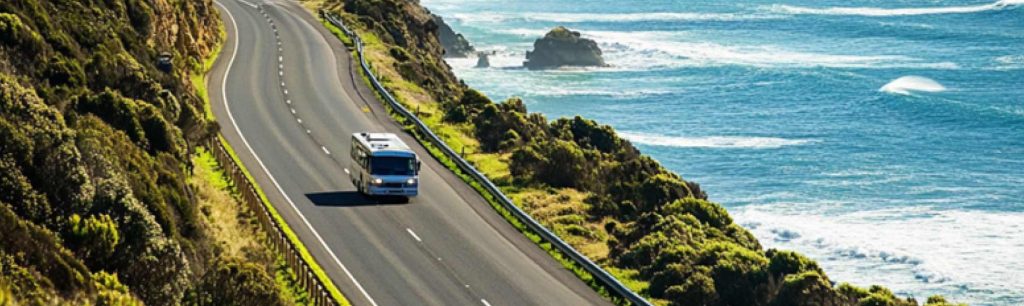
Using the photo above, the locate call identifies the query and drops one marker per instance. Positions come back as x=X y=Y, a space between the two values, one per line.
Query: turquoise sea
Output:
x=883 y=138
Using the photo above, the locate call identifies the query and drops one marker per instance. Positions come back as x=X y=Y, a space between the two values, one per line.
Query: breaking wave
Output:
x=886 y=12
x=852 y=245
x=495 y=17
x=733 y=142
x=658 y=49
x=909 y=84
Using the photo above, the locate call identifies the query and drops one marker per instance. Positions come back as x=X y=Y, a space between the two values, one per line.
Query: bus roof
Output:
x=383 y=144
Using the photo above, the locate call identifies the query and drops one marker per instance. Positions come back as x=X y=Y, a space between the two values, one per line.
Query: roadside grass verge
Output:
x=288 y=232
x=199 y=71
x=227 y=219
x=283 y=273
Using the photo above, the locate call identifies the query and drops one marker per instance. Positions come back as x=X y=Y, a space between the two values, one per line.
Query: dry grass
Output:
x=222 y=214
x=565 y=212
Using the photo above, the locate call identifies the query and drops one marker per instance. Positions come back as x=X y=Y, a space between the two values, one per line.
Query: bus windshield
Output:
x=386 y=165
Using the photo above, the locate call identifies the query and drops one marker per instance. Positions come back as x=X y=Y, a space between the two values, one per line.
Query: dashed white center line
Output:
x=293 y=111
x=299 y=120
x=414 y=235
x=325 y=150
x=289 y=101
x=485 y=302
x=280 y=58
x=280 y=73
x=286 y=91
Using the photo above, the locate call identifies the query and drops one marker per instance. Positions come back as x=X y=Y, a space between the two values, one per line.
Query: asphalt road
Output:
x=287 y=98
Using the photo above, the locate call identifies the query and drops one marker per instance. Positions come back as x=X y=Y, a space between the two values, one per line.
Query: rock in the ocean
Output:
x=455 y=45
x=482 y=60
x=562 y=47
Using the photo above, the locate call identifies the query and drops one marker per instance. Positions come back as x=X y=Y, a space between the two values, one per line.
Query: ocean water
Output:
x=883 y=138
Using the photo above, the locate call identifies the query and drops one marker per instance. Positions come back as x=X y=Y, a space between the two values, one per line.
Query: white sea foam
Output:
x=1010 y=62
x=645 y=50
x=657 y=49
x=737 y=142
x=912 y=83
x=923 y=251
x=497 y=17
x=885 y=12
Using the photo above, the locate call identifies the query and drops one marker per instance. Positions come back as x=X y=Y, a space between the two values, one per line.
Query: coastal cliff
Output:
x=650 y=227
x=103 y=200
x=454 y=44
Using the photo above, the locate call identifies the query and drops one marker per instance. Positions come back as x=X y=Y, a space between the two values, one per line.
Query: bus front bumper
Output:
x=392 y=191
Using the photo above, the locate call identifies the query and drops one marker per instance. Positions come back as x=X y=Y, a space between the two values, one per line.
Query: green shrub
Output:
x=789 y=262
x=710 y=213
x=38 y=246
x=809 y=288
x=62 y=71
x=13 y=32
x=93 y=238
x=235 y=282
x=110 y=291
x=659 y=190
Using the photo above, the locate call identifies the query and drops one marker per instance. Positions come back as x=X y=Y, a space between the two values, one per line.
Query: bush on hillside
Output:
x=234 y=282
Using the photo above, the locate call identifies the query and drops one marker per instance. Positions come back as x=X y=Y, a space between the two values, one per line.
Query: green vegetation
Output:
x=650 y=227
x=227 y=219
x=99 y=204
x=288 y=232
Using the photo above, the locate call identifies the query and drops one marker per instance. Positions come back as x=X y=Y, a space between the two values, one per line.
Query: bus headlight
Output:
x=377 y=181
x=410 y=181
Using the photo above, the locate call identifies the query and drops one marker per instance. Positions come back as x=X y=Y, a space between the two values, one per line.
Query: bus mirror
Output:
x=418 y=165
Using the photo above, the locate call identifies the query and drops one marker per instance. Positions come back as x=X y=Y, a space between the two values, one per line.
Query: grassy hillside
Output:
x=655 y=230
x=101 y=201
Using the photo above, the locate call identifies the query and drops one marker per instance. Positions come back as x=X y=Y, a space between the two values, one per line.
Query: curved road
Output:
x=286 y=96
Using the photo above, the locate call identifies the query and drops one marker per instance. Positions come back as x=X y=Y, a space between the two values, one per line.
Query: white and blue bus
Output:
x=383 y=165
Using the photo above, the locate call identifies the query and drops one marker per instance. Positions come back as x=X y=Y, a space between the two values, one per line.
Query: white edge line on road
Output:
x=413 y=234
x=247 y=3
x=320 y=239
x=485 y=302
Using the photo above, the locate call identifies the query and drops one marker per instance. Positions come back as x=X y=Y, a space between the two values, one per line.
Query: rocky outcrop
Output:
x=482 y=60
x=563 y=47
x=455 y=45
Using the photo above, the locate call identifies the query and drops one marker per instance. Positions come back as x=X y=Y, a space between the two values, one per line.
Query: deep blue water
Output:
x=777 y=109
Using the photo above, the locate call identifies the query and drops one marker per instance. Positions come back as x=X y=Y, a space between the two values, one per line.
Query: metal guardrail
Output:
x=307 y=280
x=600 y=274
